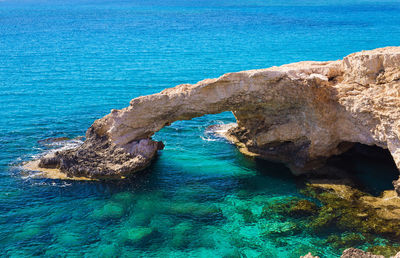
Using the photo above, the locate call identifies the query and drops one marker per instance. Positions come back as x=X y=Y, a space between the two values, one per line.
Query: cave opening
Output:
x=372 y=168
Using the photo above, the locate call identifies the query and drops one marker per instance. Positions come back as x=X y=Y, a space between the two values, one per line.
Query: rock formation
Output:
x=309 y=255
x=299 y=114
x=353 y=252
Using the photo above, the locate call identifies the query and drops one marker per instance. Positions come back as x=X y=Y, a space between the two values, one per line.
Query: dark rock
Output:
x=396 y=185
x=53 y=139
x=98 y=158
x=49 y=162
x=293 y=207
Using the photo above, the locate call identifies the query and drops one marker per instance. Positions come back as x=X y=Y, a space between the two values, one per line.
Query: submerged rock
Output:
x=349 y=209
x=110 y=210
x=27 y=231
x=180 y=234
x=193 y=209
x=341 y=242
x=293 y=207
x=108 y=250
x=136 y=234
x=248 y=215
x=282 y=229
x=385 y=250
x=299 y=113
x=69 y=239
x=303 y=208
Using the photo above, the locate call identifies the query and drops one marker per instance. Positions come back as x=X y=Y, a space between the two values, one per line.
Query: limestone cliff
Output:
x=299 y=113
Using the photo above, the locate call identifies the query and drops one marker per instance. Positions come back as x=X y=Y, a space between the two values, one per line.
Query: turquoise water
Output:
x=64 y=64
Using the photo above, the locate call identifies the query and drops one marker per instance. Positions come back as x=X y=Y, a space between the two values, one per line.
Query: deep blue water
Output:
x=64 y=64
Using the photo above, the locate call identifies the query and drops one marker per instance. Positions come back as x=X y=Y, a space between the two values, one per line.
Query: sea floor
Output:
x=197 y=206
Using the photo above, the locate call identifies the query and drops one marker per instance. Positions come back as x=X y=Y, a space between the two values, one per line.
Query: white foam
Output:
x=217 y=131
x=59 y=146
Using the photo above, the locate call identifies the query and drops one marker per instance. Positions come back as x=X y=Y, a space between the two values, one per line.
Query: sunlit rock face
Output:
x=299 y=114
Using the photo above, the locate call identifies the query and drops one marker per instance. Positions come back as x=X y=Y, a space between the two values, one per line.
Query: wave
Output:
x=57 y=144
x=217 y=132
x=29 y=170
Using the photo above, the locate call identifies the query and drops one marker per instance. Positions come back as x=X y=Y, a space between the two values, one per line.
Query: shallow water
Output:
x=64 y=64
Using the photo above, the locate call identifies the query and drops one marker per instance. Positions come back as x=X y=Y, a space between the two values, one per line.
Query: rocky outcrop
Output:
x=299 y=113
x=309 y=255
x=98 y=158
x=353 y=252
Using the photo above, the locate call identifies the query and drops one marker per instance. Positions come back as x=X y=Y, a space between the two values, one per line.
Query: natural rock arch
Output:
x=299 y=113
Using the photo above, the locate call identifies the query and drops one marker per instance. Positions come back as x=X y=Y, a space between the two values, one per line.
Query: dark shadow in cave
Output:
x=371 y=167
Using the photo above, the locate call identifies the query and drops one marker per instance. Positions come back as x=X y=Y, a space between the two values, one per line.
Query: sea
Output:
x=66 y=63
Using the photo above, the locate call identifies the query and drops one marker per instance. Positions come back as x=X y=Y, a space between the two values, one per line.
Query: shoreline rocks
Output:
x=353 y=252
x=101 y=159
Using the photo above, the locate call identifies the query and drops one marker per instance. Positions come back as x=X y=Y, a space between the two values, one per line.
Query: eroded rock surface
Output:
x=353 y=252
x=309 y=255
x=97 y=157
x=299 y=113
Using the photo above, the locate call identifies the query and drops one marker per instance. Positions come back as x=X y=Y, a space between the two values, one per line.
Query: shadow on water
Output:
x=271 y=178
x=371 y=168
x=274 y=169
